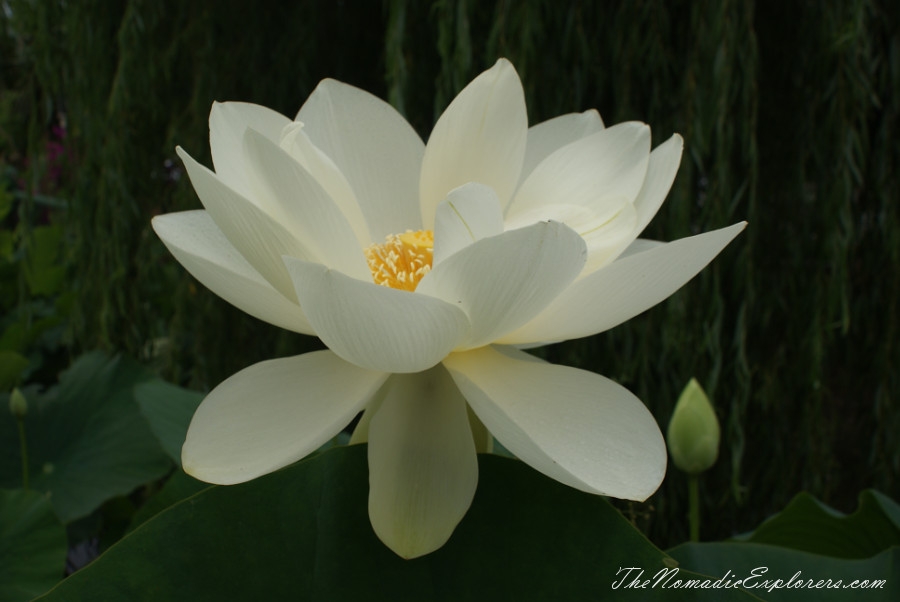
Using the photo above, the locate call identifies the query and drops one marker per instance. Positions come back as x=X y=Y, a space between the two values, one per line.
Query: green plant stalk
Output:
x=23 y=446
x=694 y=506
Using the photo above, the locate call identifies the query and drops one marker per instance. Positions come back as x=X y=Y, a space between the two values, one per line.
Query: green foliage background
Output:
x=789 y=112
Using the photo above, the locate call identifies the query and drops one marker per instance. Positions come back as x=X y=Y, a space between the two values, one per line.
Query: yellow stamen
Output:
x=402 y=260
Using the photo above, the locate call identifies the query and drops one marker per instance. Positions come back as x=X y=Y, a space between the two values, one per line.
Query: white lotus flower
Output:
x=534 y=240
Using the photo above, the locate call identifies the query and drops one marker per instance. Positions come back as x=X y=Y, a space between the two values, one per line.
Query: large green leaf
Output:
x=818 y=542
x=32 y=545
x=87 y=440
x=168 y=409
x=809 y=525
x=739 y=560
x=303 y=533
x=178 y=487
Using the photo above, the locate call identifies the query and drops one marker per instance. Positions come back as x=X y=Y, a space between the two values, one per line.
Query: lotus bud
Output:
x=18 y=405
x=693 y=435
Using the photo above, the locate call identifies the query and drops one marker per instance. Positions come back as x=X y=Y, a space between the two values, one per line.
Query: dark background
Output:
x=788 y=110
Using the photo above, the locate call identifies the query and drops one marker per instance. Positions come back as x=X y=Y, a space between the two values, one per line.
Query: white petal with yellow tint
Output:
x=423 y=470
x=601 y=172
x=373 y=326
x=375 y=149
x=548 y=136
x=639 y=245
x=664 y=162
x=361 y=431
x=227 y=123
x=605 y=242
x=623 y=289
x=298 y=145
x=254 y=233
x=574 y=426
x=309 y=213
x=272 y=414
x=480 y=137
x=469 y=213
x=198 y=244
x=605 y=236
x=501 y=282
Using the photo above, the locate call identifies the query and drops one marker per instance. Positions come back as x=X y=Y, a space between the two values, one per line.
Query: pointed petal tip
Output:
x=732 y=231
x=594 y=113
x=329 y=83
x=503 y=66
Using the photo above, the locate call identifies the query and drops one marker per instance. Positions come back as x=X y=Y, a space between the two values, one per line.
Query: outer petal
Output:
x=374 y=148
x=309 y=212
x=198 y=244
x=548 y=136
x=577 y=427
x=253 y=232
x=227 y=123
x=469 y=213
x=623 y=289
x=373 y=326
x=664 y=162
x=422 y=464
x=502 y=281
x=274 y=413
x=479 y=138
x=639 y=245
x=601 y=171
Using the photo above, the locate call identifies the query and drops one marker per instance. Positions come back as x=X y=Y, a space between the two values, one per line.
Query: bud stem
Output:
x=23 y=446
x=694 y=505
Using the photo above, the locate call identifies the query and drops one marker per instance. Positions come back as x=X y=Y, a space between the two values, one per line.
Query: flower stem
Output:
x=694 y=505
x=23 y=446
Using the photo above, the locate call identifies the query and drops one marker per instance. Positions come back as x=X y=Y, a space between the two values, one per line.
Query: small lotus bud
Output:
x=18 y=405
x=693 y=435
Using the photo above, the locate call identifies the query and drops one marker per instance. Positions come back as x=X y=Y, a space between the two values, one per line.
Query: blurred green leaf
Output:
x=739 y=560
x=12 y=365
x=6 y=202
x=43 y=267
x=6 y=245
x=31 y=328
x=32 y=545
x=303 y=533
x=15 y=337
x=808 y=525
x=168 y=410
x=87 y=440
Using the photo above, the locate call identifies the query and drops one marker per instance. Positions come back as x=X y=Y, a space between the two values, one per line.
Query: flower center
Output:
x=402 y=260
